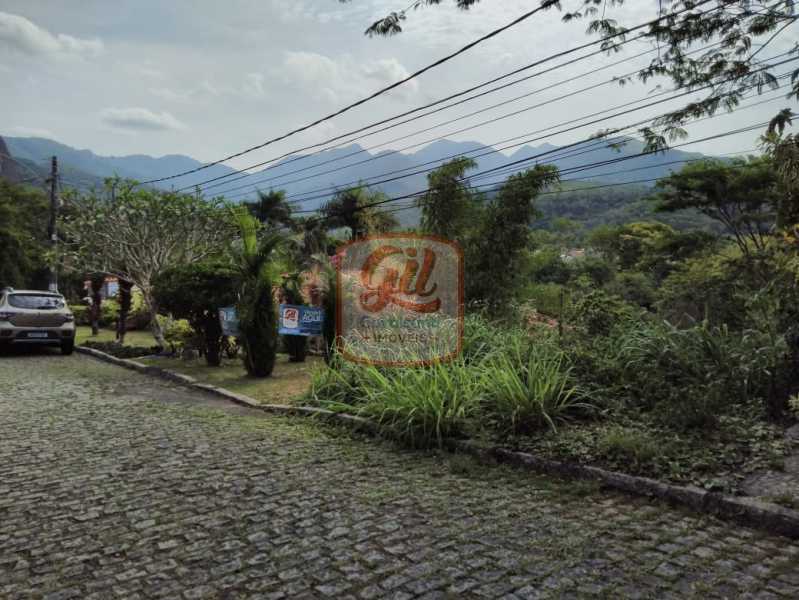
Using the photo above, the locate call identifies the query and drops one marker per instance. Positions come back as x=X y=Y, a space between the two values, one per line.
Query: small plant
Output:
x=625 y=445
x=793 y=404
x=528 y=388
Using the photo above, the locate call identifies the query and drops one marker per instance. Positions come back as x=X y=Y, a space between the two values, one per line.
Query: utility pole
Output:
x=51 y=227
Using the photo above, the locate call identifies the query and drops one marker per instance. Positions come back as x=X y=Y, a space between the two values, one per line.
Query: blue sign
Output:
x=300 y=320
x=229 y=321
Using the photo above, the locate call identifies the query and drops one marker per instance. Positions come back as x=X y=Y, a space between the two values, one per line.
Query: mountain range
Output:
x=310 y=180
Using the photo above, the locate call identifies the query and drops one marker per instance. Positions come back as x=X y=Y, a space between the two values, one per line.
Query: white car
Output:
x=34 y=317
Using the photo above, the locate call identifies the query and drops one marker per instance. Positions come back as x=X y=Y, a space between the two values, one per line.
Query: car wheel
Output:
x=67 y=347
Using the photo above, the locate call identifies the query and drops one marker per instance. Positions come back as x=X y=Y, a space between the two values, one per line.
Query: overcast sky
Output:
x=208 y=78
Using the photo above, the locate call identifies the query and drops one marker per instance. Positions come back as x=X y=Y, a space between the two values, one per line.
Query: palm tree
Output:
x=258 y=273
x=353 y=208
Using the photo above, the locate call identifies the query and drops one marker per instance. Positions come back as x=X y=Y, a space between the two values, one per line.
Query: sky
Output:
x=206 y=78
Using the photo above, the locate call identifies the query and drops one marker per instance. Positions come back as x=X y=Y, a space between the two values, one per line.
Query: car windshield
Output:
x=36 y=301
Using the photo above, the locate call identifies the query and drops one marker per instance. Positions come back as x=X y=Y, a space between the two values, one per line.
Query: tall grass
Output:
x=528 y=387
x=500 y=378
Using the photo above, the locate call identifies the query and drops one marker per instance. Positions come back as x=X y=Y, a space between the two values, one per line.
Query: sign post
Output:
x=296 y=319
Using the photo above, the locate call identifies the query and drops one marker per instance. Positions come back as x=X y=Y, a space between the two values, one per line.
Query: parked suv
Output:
x=33 y=317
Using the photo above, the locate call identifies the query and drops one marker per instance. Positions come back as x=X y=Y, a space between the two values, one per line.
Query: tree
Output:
x=448 y=203
x=96 y=281
x=740 y=193
x=724 y=72
x=257 y=274
x=125 y=301
x=353 y=208
x=496 y=254
x=140 y=232
x=784 y=152
x=196 y=292
x=272 y=210
x=23 y=236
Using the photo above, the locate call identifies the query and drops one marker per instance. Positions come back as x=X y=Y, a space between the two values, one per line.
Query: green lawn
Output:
x=287 y=385
x=132 y=338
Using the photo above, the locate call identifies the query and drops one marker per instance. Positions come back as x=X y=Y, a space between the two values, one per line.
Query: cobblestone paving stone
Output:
x=114 y=485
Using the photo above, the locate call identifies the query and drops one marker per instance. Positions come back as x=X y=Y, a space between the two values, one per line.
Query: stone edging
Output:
x=748 y=511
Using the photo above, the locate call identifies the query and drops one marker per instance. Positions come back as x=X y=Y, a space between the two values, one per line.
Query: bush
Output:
x=501 y=375
x=689 y=376
x=596 y=312
x=546 y=298
x=195 y=292
x=632 y=448
x=120 y=351
x=109 y=312
x=530 y=386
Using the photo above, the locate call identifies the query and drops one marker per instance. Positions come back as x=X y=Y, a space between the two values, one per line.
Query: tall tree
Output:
x=23 y=236
x=495 y=256
x=258 y=274
x=271 y=209
x=356 y=208
x=740 y=193
x=138 y=232
x=448 y=203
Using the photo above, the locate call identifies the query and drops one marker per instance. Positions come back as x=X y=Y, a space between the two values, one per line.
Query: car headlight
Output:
x=6 y=316
x=69 y=318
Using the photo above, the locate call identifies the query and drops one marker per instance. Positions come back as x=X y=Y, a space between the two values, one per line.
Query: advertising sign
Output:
x=295 y=319
x=229 y=321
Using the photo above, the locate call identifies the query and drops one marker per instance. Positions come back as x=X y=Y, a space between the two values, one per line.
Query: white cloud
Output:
x=343 y=78
x=140 y=119
x=20 y=35
x=32 y=132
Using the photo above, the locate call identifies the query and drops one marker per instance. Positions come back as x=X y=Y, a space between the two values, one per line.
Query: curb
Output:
x=352 y=421
x=745 y=510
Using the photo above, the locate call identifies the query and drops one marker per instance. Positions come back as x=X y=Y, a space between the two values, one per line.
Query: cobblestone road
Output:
x=113 y=485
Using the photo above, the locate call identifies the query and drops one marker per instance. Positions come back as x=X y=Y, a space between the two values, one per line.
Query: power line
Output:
x=476 y=112
x=545 y=4
x=530 y=140
x=602 y=41
x=421 y=192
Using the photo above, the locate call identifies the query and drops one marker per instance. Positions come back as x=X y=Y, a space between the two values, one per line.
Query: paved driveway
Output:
x=114 y=485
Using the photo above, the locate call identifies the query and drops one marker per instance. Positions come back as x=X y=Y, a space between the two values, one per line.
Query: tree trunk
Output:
x=213 y=341
x=96 y=282
x=155 y=325
x=125 y=300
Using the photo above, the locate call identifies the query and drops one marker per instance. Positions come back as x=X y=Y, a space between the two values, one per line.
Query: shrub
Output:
x=109 y=311
x=120 y=351
x=596 y=312
x=690 y=375
x=546 y=298
x=527 y=388
x=793 y=404
x=633 y=448
x=195 y=292
x=422 y=406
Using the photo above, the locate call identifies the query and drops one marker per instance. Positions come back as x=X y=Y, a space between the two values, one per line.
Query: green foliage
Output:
x=121 y=351
x=502 y=376
x=448 y=206
x=629 y=445
x=109 y=312
x=256 y=273
x=196 y=292
x=634 y=288
x=529 y=386
x=738 y=193
x=546 y=298
x=690 y=375
x=136 y=232
x=420 y=406
x=353 y=208
x=793 y=405
x=495 y=256
x=597 y=313
x=23 y=236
